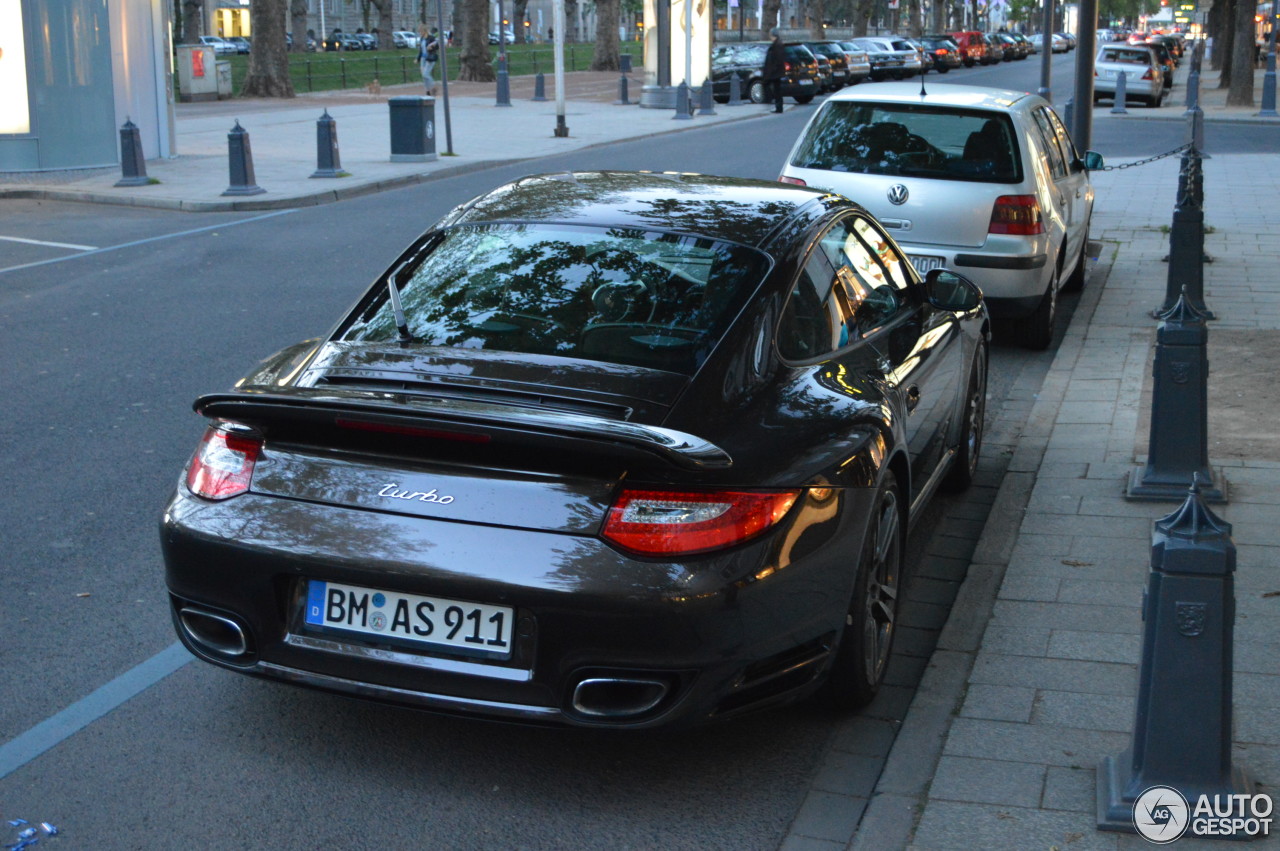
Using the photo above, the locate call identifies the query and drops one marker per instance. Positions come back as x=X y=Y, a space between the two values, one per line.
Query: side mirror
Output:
x=949 y=290
x=1093 y=160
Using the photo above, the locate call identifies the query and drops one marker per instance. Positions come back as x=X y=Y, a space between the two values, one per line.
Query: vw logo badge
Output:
x=898 y=194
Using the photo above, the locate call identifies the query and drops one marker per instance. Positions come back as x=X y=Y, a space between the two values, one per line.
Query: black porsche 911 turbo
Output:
x=599 y=449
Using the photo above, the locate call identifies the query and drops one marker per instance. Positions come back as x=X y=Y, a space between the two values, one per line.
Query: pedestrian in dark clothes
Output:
x=775 y=66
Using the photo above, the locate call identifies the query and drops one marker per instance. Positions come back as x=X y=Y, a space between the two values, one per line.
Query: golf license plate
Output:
x=472 y=629
x=924 y=262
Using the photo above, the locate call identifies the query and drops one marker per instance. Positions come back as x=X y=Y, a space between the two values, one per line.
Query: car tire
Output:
x=871 y=620
x=756 y=91
x=1037 y=329
x=1075 y=283
x=942 y=69
x=802 y=99
x=973 y=426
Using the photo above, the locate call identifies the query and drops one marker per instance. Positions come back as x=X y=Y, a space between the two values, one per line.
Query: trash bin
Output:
x=224 y=80
x=413 y=129
x=197 y=73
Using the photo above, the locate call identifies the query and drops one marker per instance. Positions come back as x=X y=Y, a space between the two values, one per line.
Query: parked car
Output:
x=509 y=37
x=1008 y=48
x=1057 y=43
x=221 y=47
x=746 y=59
x=611 y=450
x=891 y=57
x=368 y=41
x=1143 y=74
x=339 y=40
x=405 y=38
x=859 y=62
x=1168 y=64
x=1071 y=40
x=942 y=53
x=240 y=43
x=1024 y=43
x=958 y=174
x=836 y=56
x=974 y=49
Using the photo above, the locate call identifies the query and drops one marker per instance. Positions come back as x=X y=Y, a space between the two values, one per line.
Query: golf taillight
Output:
x=1016 y=214
x=668 y=523
x=222 y=466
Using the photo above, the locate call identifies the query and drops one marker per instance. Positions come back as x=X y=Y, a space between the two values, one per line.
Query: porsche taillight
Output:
x=222 y=466
x=670 y=523
x=1016 y=214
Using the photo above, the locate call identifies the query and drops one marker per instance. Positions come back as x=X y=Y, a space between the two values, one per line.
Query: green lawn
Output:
x=317 y=72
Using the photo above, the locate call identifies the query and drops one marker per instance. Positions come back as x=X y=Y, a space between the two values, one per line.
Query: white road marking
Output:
x=50 y=244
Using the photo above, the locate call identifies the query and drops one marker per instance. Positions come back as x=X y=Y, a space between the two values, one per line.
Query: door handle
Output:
x=913 y=398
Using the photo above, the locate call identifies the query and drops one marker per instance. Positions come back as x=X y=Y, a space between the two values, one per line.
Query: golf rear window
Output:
x=628 y=297
x=910 y=140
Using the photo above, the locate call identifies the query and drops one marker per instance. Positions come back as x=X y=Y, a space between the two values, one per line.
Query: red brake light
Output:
x=1148 y=75
x=1016 y=214
x=666 y=523
x=786 y=66
x=794 y=180
x=222 y=466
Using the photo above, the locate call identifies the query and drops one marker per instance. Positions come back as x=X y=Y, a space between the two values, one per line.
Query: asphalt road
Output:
x=107 y=336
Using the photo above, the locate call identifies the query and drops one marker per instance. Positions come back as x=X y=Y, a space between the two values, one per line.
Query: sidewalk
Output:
x=282 y=137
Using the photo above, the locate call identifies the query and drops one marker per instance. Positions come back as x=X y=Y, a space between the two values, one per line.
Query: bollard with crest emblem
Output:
x=1182 y=729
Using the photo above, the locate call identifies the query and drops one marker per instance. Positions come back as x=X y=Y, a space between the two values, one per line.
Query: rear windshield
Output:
x=1128 y=57
x=909 y=140
x=620 y=296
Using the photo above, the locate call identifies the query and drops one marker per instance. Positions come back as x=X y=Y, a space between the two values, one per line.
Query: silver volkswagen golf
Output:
x=983 y=181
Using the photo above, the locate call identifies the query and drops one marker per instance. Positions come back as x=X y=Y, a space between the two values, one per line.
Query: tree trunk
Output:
x=192 y=21
x=605 y=57
x=570 y=21
x=268 y=74
x=520 y=14
x=385 y=26
x=298 y=25
x=1213 y=27
x=1224 y=43
x=475 y=64
x=818 y=9
x=770 y=19
x=1242 y=57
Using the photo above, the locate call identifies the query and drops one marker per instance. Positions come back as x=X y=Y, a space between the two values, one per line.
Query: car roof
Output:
x=732 y=209
x=936 y=94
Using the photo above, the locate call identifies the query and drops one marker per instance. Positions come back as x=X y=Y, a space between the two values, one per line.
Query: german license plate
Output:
x=924 y=263
x=806 y=82
x=472 y=629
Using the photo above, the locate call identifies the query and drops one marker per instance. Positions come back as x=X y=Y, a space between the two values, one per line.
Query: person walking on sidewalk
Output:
x=775 y=66
x=428 y=52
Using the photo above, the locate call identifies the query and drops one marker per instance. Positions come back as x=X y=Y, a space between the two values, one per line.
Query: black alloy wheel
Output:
x=973 y=426
x=871 y=621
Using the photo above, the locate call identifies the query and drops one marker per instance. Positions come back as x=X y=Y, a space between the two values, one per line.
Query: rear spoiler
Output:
x=303 y=405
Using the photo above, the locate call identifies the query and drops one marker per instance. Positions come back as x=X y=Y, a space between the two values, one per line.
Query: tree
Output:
x=192 y=17
x=519 y=14
x=1240 y=92
x=770 y=19
x=605 y=56
x=474 y=62
x=384 y=22
x=268 y=74
x=818 y=9
x=298 y=24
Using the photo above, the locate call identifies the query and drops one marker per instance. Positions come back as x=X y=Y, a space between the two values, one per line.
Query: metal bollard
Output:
x=504 y=82
x=1178 y=448
x=735 y=90
x=622 y=92
x=1269 y=86
x=682 y=102
x=241 y=162
x=1186 y=242
x=625 y=60
x=133 y=165
x=328 y=162
x=1193 y=78
x=1182 y=730
x=1122 y=95
x=705 y=100
x=540 y=87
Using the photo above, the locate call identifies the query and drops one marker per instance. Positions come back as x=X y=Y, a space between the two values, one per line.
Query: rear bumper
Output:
x=724 y=633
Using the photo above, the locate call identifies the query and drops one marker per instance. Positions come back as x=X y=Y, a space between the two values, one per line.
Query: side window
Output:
x=1049 y=141
x=818 y=317
x=1064 y=138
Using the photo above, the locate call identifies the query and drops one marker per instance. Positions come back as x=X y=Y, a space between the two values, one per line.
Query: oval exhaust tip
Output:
x=617 y=697
x=215 y=633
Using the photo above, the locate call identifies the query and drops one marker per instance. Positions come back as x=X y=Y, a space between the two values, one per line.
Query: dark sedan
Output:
x=598 y=449
x=746 y=60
